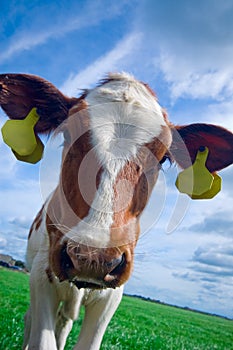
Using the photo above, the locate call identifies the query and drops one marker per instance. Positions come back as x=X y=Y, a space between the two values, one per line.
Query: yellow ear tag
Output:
x=197 y=181
x=20 y=136
x=35 y=156
x=215 y=189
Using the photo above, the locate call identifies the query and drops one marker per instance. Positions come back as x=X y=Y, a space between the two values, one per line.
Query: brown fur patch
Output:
x=38 y=219
x=37 y=222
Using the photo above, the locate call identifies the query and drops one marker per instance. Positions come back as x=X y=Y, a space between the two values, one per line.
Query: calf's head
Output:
x=116 y=136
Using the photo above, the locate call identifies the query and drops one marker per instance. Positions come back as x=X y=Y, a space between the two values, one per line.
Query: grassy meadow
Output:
x=137 y=324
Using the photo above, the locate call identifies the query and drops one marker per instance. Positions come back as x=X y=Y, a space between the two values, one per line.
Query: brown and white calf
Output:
x=81 y=244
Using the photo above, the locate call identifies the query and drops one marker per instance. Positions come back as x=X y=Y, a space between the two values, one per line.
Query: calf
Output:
x=81 y=244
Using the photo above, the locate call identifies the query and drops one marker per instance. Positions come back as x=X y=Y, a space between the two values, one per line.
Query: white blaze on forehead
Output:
x=124 y=116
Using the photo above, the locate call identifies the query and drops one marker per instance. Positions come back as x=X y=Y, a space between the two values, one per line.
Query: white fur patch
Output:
x=124 y=115
x=39 y=238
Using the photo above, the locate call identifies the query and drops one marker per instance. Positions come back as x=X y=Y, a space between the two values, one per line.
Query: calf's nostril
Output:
x=116 y=267
x=114 y=263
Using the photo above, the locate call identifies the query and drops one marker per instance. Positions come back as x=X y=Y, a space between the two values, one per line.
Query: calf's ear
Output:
x=189 y=138
x=19 y=93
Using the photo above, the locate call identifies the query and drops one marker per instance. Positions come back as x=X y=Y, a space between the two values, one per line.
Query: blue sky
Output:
x=183 y=49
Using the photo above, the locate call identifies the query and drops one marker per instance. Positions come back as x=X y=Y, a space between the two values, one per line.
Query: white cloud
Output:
x=7 y=162
x=21 y=222
x=227 y=176
x=20 y=202
x=194 y=82
x=110 y=61
x=220 y=113
x=21 y=198
x=41 y=28
x=193 y=42
x=3 y=243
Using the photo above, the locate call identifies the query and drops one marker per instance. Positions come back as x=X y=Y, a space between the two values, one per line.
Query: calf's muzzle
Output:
x=97 y=267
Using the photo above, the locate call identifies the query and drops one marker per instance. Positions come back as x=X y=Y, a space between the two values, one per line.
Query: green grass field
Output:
x=137 y=324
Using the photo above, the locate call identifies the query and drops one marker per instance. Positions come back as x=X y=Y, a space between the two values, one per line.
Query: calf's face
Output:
x=111 y=160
